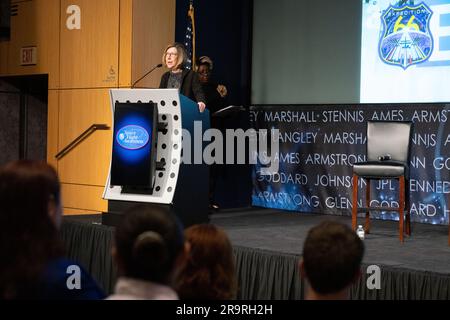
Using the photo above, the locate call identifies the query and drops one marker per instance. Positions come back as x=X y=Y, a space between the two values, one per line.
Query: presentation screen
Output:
x=405 y=51
x=306 y=51
x=134 y=145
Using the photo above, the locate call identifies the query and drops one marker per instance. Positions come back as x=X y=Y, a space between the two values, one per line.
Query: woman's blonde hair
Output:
x=181 y=58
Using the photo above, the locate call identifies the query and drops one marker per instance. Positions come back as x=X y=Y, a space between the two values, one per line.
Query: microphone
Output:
x=386 y=157
x=151 y=70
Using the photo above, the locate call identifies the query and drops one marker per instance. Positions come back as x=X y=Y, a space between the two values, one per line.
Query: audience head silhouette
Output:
x=209 y=272
x=30 y=215
x=148 y=242
x=332 y=255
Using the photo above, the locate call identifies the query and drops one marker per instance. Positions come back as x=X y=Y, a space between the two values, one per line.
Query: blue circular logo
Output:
x=132 y=137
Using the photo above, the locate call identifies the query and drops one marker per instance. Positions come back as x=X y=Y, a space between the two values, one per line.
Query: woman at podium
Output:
x=187 y=81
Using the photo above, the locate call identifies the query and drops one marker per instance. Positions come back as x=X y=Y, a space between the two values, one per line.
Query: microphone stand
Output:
x=151 y=70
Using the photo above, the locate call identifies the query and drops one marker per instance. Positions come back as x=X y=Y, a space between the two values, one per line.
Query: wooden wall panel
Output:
x=88 y=163
x=153 y=30
x=125 y=42
x=81 y=198
x=118 y=42
x=52 y=127
x=90 y=56
x=37 y=24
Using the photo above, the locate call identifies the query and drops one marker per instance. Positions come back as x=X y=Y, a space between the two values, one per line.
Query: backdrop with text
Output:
x=320 y=143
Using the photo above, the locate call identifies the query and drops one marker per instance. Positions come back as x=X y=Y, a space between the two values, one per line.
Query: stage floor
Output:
x=284 y=232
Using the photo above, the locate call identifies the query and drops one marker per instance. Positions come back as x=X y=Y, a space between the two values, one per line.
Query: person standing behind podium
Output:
x=215 y=93
x=215 y=99
x=179 y=77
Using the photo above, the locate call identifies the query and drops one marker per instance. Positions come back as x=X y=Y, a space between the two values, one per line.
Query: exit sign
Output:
x=28 y=56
